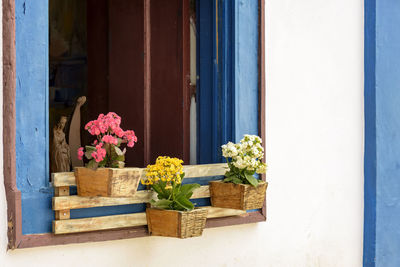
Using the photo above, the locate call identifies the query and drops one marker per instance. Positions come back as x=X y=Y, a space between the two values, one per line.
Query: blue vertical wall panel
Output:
x=388 y=133
x=370 y=136
x=382 y=133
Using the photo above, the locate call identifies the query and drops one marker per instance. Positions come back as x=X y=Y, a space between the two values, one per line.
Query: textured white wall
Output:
x=314 y=57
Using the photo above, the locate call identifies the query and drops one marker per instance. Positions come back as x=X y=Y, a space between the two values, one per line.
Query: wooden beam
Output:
x=147 y=81
x=122 y=221
x=219 y=169
x=76 y=202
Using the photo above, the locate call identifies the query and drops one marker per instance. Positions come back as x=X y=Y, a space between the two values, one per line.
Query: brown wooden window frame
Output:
x=13 y=196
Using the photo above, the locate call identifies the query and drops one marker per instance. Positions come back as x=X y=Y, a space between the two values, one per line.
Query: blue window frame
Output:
x=228 y=74
x=227 y=95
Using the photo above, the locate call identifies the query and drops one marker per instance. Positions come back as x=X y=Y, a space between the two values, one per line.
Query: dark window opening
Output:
x=98 y=50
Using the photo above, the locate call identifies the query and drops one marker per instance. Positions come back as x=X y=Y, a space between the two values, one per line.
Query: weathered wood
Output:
x=68 y=178
x=174 y=223
x=237 y=196
x=99 y=223
x=63 y=214
x=123 y=221
x=61 y=191
x=77 y=202
x=147 y=81
x=107 y=182
x=63 y=179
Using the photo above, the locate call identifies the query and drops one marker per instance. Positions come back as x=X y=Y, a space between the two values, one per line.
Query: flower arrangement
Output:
x=105 y=150
x=165 y=178
x=246 y=160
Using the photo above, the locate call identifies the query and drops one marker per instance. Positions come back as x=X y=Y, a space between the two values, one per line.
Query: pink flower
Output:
x=100 y=145
x=99 y=154
x=80 y=153
x=109 y=139
x=130 y=137
x=119 y=132
x=108 y=131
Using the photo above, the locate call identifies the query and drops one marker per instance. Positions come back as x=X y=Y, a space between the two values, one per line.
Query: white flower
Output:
x=239 y=163
x=229 y=150
x=262 y=168
x=246 y=154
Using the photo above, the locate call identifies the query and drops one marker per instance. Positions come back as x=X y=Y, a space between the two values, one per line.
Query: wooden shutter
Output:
x=120 y=50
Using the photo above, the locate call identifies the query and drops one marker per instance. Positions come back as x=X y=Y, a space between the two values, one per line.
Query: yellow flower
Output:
x=165 y=169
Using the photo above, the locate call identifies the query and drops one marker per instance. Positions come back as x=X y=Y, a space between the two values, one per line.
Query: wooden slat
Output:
x=122 y=221
x=64 y=214
x=68 y=178
x=99 y=223
x=76 y=202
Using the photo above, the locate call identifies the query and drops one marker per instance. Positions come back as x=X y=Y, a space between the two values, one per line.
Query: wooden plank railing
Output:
x=63 y=203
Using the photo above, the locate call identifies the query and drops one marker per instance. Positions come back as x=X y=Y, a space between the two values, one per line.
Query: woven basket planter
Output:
x=172 y=223
x=107 y=182
x=237 y=196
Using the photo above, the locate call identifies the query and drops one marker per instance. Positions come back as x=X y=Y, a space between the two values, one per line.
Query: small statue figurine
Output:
x=61 y=157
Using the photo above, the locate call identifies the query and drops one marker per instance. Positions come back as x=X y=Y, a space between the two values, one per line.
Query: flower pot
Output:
x=237 y=196
x=173 y=223
x=107 y=182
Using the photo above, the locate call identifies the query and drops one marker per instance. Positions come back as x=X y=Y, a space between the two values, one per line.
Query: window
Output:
x=109 y=56
x=230 y=70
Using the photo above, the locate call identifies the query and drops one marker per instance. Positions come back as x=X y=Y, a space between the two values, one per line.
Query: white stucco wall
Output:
x=314 y=57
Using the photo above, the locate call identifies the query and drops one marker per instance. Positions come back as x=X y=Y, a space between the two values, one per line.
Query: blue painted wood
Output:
x=226 y=84
x=32 y=112
x=382 y=138
x=205 y=81
x=370 y=135
x=215 y=84
x=31 y=94
x=227 y=94
x=246 y=68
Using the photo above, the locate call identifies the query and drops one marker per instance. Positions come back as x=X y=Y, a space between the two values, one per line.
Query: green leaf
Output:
x=120 y=141
x=162 y=204
x=156 y=188
x=118 y=164
x=89 y=151
x=185 y=203
x=228 y=180
x=250 y=172
x=161 y=192
x=186 y=190
x=251 y=179
x=236 y=180
x=92 y=164
x=118 y=151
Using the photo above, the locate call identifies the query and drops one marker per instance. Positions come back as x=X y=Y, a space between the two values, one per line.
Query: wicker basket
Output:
x=107 y=182
x=172 y=223
x=237 y=196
